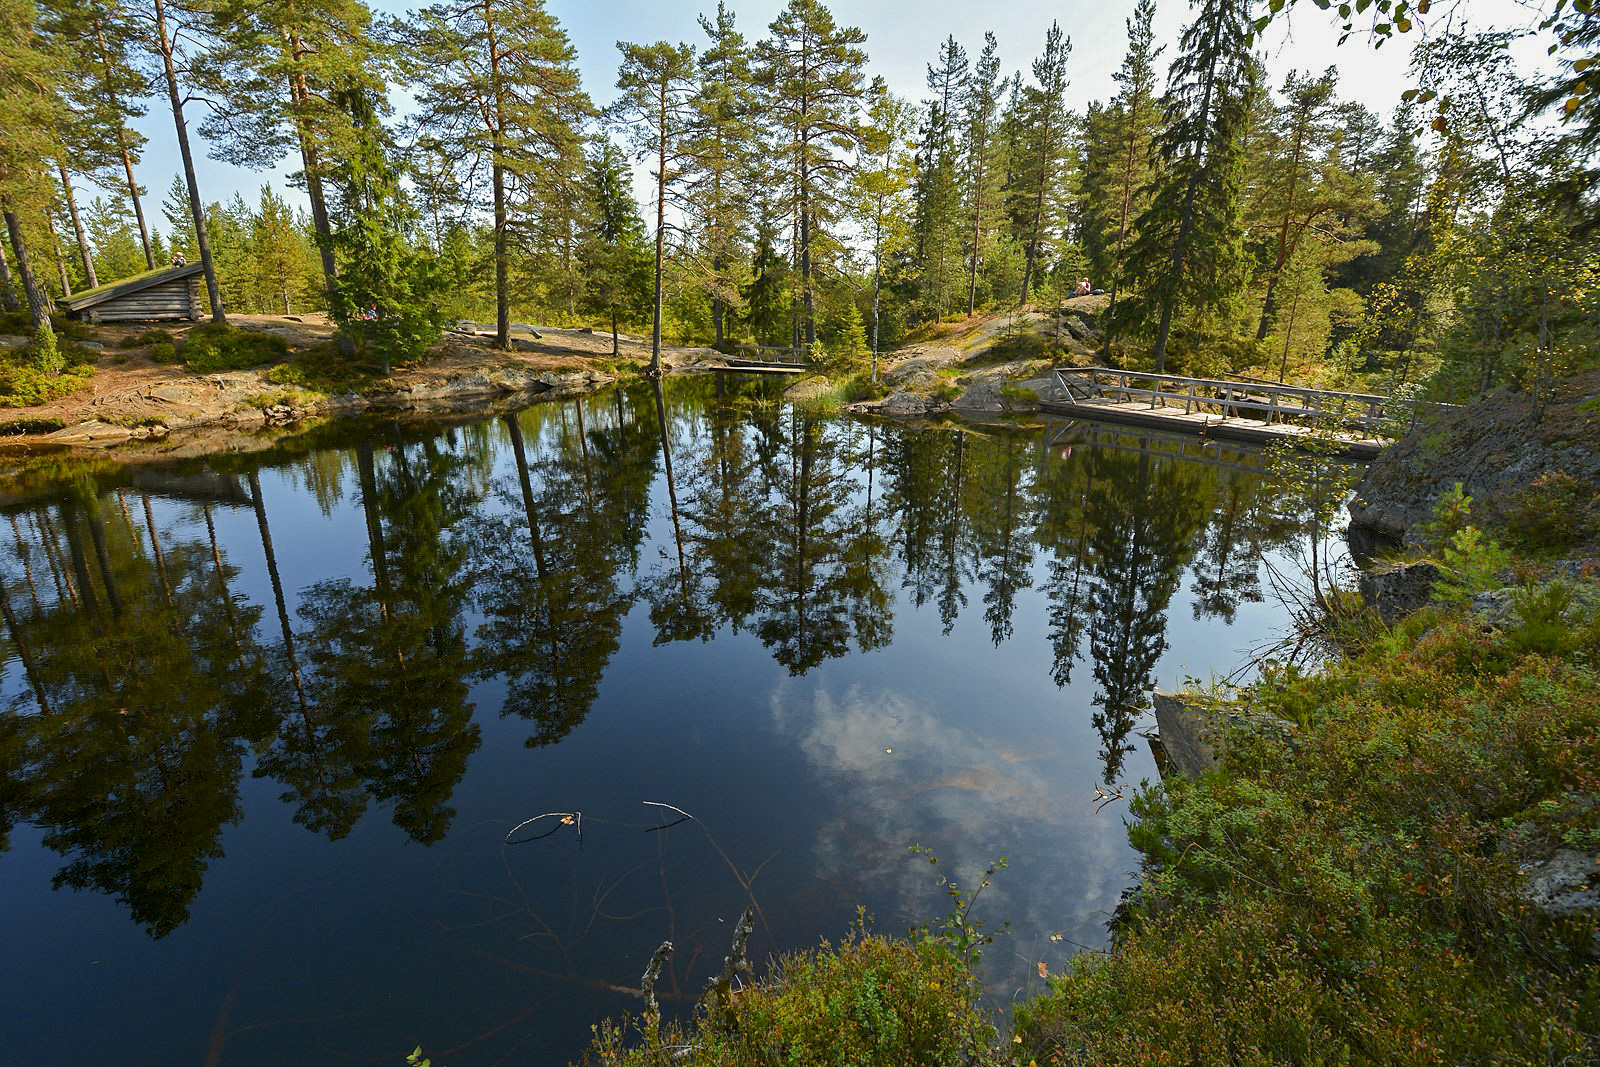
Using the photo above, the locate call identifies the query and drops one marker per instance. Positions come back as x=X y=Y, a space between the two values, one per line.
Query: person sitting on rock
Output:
x=1083 y=289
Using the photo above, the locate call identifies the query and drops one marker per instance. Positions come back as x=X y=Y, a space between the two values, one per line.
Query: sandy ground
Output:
x=132 y=397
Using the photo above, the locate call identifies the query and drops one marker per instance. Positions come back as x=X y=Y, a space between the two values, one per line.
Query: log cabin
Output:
x=156 y=295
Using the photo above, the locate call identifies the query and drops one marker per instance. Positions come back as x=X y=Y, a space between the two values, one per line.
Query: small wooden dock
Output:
x=1257 y=412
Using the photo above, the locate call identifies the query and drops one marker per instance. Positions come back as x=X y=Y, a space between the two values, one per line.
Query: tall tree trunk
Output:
x=519 y=452
x=61 y=258
x=977 y=236
x=502 y=266
x=181 y=126
x=8 y=292
x=260 y=507
x=38 y=305
x=77 y=228
x=1038 y=212
x=311 y=162
x=22 y=652
x=661 y=234
x=108 y=78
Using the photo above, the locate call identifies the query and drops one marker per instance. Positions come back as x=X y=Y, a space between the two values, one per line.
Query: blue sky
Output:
x=902 y=38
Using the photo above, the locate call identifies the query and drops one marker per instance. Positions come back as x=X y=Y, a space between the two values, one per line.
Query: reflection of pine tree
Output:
x=865 y=558
x=134 y=769
x=804 y=616
x=914 y=462
x=717 y=496
x=393 y=656
x=1225 y=569
x=1145 y=513
x=1064 y=530
x=1001 y=517
x=547 y=577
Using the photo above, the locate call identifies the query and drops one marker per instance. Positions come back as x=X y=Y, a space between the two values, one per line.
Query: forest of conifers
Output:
x=1241 y=219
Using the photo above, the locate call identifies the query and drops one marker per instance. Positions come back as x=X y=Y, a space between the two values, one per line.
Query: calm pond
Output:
x=270 y=719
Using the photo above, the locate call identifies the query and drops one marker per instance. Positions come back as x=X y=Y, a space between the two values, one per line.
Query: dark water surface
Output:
x=269 y=720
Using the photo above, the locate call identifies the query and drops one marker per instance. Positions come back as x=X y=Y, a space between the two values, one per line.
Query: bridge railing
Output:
x=772 y=354
x=1267 y=402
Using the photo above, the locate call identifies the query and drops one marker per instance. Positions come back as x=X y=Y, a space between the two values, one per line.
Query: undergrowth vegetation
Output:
x=219 y=347
x=871 y=1000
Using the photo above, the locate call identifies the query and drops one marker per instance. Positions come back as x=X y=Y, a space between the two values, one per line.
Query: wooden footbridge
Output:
x=1249 y=410
x=765 y=359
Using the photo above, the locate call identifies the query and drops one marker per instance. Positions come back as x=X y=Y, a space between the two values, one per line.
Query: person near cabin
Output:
x=178 y=260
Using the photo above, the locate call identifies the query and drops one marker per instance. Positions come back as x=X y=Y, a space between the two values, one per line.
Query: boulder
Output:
x=1563 y=886
x=1494 y=448
x=1080 y=330
x=981 y=398
x=1395 y=591
x=11 y=340
x=904 y=405
x=1195 y=731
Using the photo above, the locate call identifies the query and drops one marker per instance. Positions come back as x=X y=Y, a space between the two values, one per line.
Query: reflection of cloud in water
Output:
x=900 y=774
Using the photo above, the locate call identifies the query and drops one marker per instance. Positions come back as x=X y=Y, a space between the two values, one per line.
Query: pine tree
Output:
x=1187 y=250
x=657 y=82
x=499 y=93
x=31 y=118
x=1043 y=120
x=882 y=179
x=176 y=37
x=810 y=71
x=721 y=162
x=386 y=298
x=938 y=188
x=1132 y=123
x=983 y=168
x=1293 y=187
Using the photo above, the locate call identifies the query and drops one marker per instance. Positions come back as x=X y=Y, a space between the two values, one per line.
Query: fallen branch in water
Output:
x=647 y=983
x=718 y=996
x=568 y=818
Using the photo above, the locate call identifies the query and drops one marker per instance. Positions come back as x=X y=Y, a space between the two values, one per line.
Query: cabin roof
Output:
x=124 y=286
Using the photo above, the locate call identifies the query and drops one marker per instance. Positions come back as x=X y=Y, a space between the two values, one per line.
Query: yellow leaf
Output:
x=1044 y=970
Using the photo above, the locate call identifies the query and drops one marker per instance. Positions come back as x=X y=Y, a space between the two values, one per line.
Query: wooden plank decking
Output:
x=1247 y=411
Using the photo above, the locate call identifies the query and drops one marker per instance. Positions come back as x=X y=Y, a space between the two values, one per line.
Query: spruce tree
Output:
x=616 y=266
x=657 y=82
x=499 y=95
x=1187 y=250
x=810 y=71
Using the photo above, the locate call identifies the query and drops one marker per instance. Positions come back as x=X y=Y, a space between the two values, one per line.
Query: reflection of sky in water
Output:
x=822 y=677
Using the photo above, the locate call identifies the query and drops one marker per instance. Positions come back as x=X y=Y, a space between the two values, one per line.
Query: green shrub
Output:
x=1353 y=897
x=45 y=352
x=1470 y=563
x=218 y=347
x=870 y=1001
x=1553 y=514
x=149 y=337
x=164 y=352
x=15 y=427
x=25 y=386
